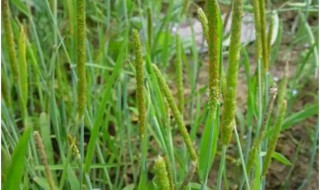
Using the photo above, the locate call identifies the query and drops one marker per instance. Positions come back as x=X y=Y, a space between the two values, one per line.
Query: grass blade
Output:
x=17 y=167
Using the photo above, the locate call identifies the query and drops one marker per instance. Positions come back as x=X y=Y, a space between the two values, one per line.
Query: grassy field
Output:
x=148 y=94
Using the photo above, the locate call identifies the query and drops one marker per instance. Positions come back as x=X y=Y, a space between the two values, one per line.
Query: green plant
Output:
x=71 y=70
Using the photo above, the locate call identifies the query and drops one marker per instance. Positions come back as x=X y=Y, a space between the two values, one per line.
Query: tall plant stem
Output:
x=222 y=165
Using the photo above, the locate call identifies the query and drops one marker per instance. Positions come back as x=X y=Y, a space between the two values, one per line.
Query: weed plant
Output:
x=114 y=98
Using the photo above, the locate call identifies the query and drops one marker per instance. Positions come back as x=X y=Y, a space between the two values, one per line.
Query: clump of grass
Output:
x=9 y=37
x=139 y=80
x=161 y=174
x=176 y=113
x=81 y=56
x=229 y=109
x=44 y=160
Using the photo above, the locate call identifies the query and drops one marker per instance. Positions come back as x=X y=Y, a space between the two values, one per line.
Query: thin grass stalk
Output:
x=81 y=56
x=150 y=28
x=221 y=166
x=161 y=174
x=44 y=160
x=274 y=138
x=242 y=158
x=139 y=79
x=179 y=73
x=258 y=140
x=176 y=113
x=9 y=37
x=189 y=176
x=232 y=75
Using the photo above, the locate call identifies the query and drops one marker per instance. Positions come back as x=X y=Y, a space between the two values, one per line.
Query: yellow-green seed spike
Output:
x=283 y=86
x=150 y=28
x=139 y=80
x=9 y=37
x=161 y=174
x=204 y=23
x=5 y=92
x=44 y=159
x=263 y=36
x=23 y=73
x=256 y=12
x=214 y=17
x=185 y=8
x=81 y=56
x=176 y=113
x=169 y=171
x=258 y=140
x=274 y=138
x=179 y=73
x=232 y=75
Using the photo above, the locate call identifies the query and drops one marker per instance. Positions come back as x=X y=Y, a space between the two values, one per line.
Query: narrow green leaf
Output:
x=208 y=146
x=307 y=112
x=42 y=182
x=21 y=6
x=44 y=123
x=17 y=167
x=281 y=158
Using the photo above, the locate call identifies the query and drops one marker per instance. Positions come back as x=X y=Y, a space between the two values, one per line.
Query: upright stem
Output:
x=222 y=165
x=242 y=159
